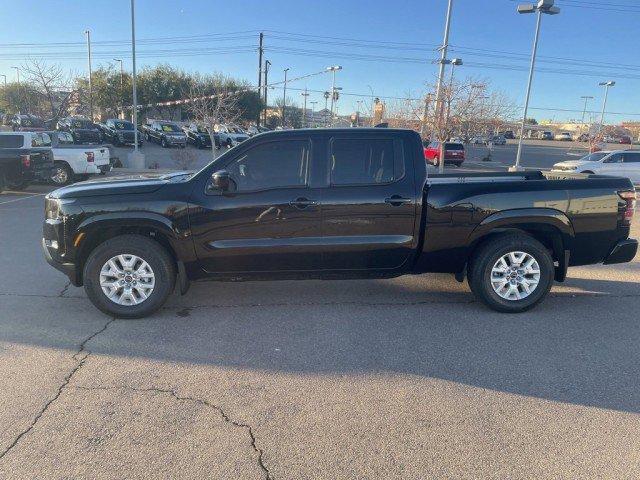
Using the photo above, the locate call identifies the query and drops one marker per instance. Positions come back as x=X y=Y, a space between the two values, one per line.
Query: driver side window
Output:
x=617 y=158
x=271 y=165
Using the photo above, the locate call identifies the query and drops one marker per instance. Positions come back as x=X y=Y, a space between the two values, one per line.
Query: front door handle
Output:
x=397 y=200
x=302 y=203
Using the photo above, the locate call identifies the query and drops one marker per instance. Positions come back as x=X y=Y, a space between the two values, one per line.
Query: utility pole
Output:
x=267 y=64
x=425 y=115
x=284 y=96
x=313 y=111
x=304 y=109
x=333 y=70
x=260 y=51
x=443 y=57
x=359 y=102
x=326 y=97
x=90 y=79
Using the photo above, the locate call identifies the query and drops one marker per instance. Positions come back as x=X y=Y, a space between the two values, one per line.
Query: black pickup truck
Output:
x=24 y=157
x=335 y=203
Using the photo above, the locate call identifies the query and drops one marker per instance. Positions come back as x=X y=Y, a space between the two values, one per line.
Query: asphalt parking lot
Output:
x=403 y=378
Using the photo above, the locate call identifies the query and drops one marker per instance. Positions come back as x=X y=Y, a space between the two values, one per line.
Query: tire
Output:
x=62 y=174
x=157 y=258
x=147 y=137
x=163 y=143
x=17 y=185
x=486 y=258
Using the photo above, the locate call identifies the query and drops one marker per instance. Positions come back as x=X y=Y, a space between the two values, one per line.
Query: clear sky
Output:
x=384 y=47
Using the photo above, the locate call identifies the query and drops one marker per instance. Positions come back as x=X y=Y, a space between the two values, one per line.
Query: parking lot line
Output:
x=21 y=198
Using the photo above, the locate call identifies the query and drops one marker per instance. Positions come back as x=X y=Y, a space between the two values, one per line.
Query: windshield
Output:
x=453 y=146
x=594 y=157
x=81 y=124
x=169 y=127
x=123 y=125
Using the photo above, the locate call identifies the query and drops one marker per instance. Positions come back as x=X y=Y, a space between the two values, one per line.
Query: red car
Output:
x=625 y=140
x=453 y=153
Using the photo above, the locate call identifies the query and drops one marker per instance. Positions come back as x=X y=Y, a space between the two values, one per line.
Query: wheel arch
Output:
x=97 y=231
x=552 y=228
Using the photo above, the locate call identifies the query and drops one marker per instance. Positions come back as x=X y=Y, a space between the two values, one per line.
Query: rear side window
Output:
x=365 y=162
x=11 y=141
x=631 y=158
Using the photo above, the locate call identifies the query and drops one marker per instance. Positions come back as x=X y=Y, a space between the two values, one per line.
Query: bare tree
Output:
x=53 y=84
x=210 y=110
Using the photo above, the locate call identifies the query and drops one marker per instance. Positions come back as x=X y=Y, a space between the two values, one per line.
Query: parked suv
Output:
x=82 y=129
x=230 y=135
x=453 y=153
x=199 y=136
x=27 y=123
x=166 y=134
x=119 y=132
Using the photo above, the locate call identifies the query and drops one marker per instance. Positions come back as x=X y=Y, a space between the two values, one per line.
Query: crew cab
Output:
x=24 y=157
x=333 y=203
x=621 y=163
x=27 y=123
x=167 y=134
x=71 y=161
x=119 y=132
x=81 y=129
x=453 y=153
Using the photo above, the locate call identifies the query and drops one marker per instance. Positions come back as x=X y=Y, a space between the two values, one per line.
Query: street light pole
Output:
x=138 y=157
x=121 y=85
x=443 y=56
x=284 y=96
x=606 y=86
x=543 y=6
x=88 y=33
x=19 y=90
x=454 y=63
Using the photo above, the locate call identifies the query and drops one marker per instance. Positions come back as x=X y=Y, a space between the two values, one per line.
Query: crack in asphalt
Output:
x=259 y=451
x=64 y=290
x=81 y=356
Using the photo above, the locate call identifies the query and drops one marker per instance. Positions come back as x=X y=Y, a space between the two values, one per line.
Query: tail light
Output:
x=26 y=160
x=629 y=196
x=90 y=156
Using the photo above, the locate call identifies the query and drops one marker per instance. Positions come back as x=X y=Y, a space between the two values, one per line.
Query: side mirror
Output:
x=220 y=180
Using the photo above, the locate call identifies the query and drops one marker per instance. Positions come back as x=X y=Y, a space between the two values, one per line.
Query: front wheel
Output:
x=511 y=273
x=163 y=143
x=129 y=276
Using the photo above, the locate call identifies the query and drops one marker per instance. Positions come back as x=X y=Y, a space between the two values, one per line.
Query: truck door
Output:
x=368 y=204
x=269 y=221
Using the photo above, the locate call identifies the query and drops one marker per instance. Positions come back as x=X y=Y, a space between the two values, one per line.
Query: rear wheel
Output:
x=511 y=273
x=129 y=276
x=62 y=174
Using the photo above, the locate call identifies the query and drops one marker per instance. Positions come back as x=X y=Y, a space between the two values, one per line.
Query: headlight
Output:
x=53 y=207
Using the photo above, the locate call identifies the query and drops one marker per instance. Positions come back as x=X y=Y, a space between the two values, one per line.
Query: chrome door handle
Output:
x=397 y=200
x=302 y=203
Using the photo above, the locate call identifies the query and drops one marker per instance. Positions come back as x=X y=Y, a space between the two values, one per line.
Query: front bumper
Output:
x=52 y=258
x=623 y=252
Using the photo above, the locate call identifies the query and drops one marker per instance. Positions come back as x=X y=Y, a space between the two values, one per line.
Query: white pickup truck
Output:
x=72 y=161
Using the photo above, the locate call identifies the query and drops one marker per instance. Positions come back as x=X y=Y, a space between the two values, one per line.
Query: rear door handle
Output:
x=397 y=200
x=302 y=203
